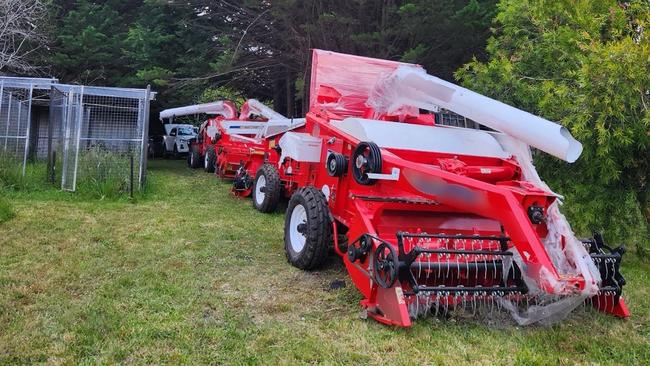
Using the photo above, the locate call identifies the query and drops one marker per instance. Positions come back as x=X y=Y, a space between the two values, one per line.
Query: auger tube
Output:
x=219 y=107
x=410 y=86
x=254 y=106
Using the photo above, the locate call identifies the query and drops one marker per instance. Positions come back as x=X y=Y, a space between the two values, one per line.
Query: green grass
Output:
x=188 y=274
x=6 y=210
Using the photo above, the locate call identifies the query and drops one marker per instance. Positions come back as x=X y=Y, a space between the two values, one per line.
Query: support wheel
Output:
x=209 y=160
x=307 y=229
x=194 y=158
x=266 y=192
x=366 y=159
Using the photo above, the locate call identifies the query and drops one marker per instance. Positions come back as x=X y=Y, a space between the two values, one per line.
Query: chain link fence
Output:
x=91 y=137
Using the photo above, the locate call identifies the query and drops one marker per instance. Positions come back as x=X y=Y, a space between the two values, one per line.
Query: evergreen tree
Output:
x=584 y=64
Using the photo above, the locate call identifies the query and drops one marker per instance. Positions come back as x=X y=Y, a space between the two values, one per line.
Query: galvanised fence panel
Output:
x=87 y=136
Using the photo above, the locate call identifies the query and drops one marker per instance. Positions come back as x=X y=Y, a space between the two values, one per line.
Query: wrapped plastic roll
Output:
x=409 y=86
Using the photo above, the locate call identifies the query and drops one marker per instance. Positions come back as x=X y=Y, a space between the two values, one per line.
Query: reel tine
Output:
x=527 y=303
x=446 y=306
x=473 y=305
x=437 y=303
x=448 y=265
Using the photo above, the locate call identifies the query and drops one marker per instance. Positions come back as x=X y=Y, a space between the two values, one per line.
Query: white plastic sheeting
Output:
x=208 y=108
x=413 y=87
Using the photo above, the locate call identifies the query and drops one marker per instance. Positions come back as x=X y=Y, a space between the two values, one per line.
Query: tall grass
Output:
x=6 y=210
x=106 y=174
x=101 y=174
x=12 y=178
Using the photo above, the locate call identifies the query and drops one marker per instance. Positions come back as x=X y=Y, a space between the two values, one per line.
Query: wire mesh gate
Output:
x=15 y=116
x=89 y=135
x=103 y=136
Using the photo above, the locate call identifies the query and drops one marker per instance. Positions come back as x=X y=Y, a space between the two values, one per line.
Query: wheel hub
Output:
x=260 y=189
x=360 y=161
x=298 y=228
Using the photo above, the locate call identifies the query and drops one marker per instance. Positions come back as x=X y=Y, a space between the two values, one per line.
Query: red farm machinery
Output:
x=427 y=217
x=242 y=147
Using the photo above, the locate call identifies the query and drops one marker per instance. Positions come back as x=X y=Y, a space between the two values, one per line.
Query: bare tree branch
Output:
x=21 y=33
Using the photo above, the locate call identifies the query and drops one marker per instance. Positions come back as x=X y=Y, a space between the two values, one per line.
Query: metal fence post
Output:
x=80 y=117
x=8 y=121
x=66 y=122
x=50 y=131
x=29 y=128
x=144 y=152
x=17 y=136
x=131 y=176
x=2 y=93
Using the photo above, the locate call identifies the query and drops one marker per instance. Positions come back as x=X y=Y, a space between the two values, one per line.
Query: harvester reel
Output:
x=385 y=265
x=337 y=165
x=366 y=159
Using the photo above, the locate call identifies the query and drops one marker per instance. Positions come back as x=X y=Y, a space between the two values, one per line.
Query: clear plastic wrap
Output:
x=342 y=83
x=407 y=88
x=569 y=259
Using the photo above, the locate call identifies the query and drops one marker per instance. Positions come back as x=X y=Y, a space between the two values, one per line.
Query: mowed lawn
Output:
x=189 y=274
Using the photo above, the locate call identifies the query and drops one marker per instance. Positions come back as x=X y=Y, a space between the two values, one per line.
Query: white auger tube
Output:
x=412 y=87
x=254 y=106
x=208 y=108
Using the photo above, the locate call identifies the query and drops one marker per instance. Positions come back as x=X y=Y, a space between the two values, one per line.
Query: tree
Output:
x=271 y=41
x=584 y=64
x=21 y=33
x=88 y=42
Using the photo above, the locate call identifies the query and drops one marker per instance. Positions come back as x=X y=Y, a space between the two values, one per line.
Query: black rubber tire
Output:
x=318 y=229
x=272 y=190
x=194 y=158
x=175 y=153
x=211 y=157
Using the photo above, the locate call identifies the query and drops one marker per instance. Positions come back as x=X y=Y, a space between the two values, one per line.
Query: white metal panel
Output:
x=396 y=135
x=300 y=147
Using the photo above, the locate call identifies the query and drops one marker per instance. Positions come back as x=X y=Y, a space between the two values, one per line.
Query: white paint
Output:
x=259 y=192
x=297 y=239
